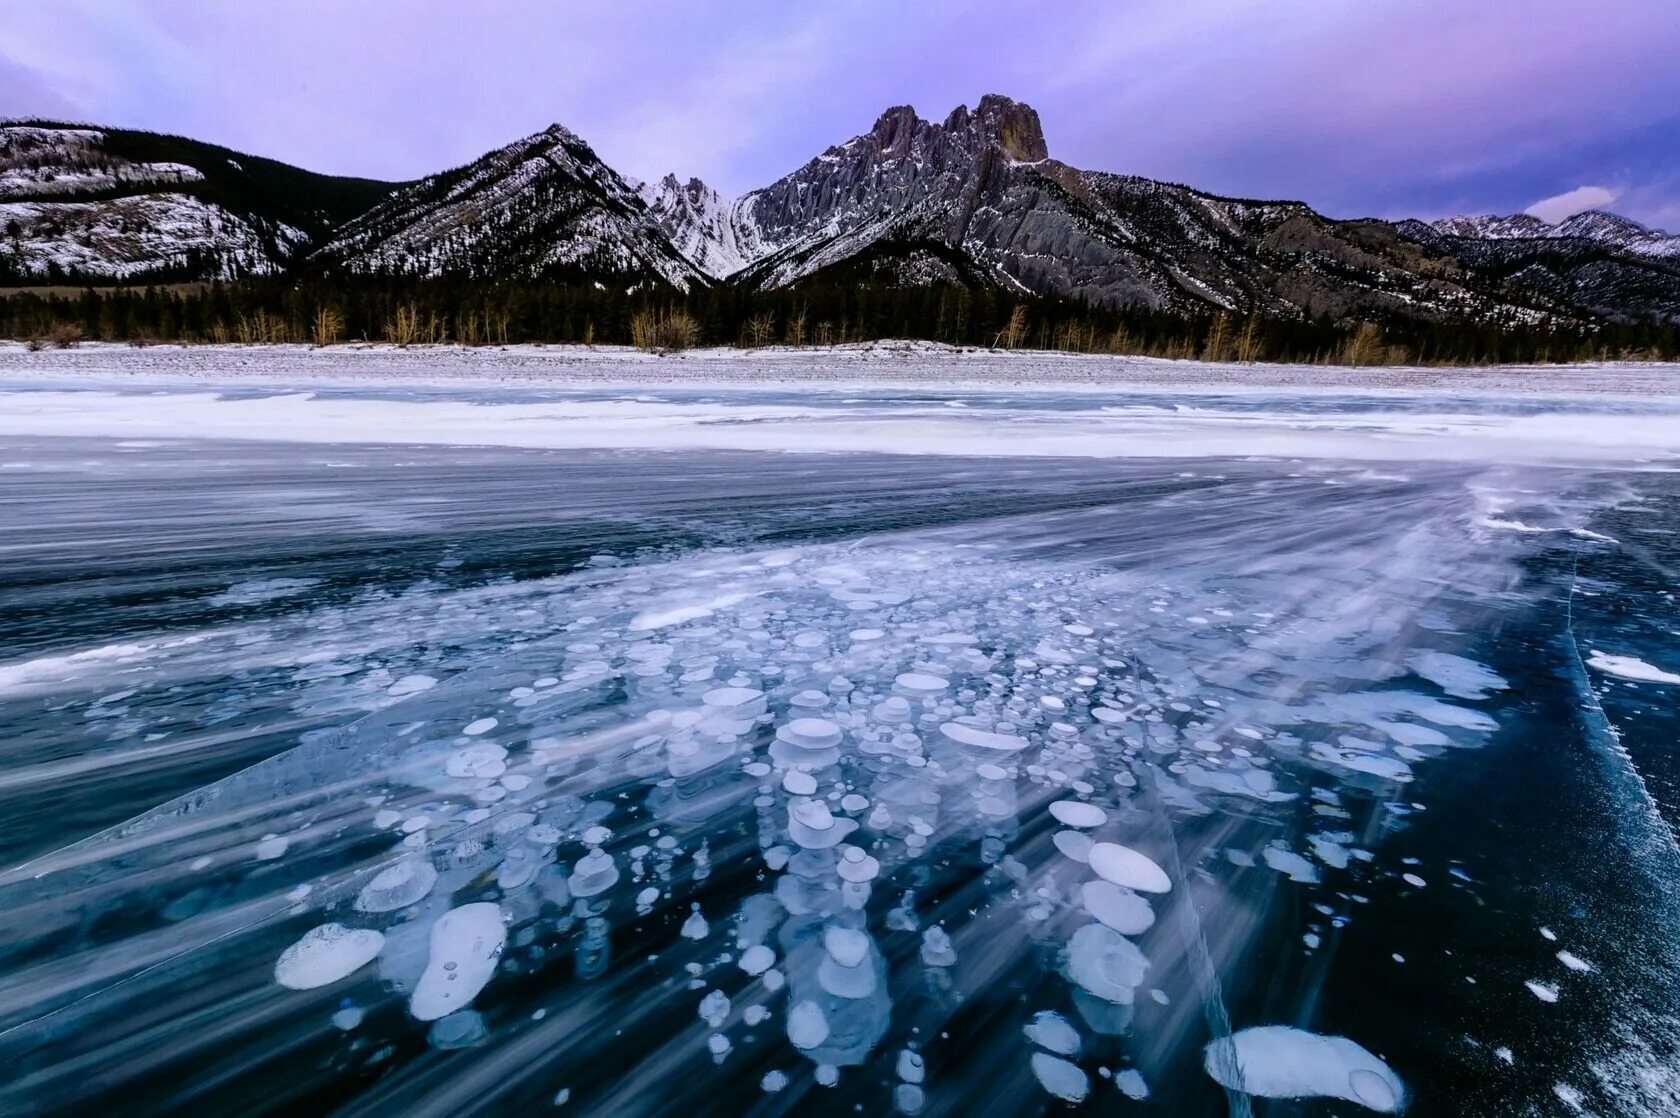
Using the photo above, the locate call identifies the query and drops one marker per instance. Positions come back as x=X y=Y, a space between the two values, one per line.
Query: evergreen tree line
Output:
x=336 y=310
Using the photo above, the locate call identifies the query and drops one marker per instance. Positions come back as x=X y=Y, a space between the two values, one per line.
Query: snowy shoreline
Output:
x=920 y=400
x=890 y=365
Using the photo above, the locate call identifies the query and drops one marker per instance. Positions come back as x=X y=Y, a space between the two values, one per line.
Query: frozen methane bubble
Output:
x=813 y=826
x=1286 y=861
x=594 y=874
x=846 y=946
x=892 y=710
x=757 y=959
x=1117 y=907
x=1074 y=844
x=812 y=743
x=1457 y=676
x=735 y=702
x=809 y=733
x=1105 y=964
x=325 y=955
x=976 y=738
x=936 y=948
x=411 y=685
x=1122 y=865
x=1076 y=813
x=1630 y=667
x=407 y=882
x=807 y=1028
x=920 y=684
x=1051 y=1032
x=856 y=865
x=1279 y=1062
x=465 y=944
x=479 y=761
x=714 y=1008
x=1059 y=1077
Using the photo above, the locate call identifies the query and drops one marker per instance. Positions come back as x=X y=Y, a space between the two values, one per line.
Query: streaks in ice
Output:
x=839 y=724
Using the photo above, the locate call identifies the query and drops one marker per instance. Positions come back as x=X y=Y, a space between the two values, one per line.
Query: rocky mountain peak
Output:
x=1600 y=223
x=1011 y=126
x=895 y=128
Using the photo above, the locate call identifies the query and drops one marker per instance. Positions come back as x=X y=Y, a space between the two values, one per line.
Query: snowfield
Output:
x=903 y=398
x=897 y=363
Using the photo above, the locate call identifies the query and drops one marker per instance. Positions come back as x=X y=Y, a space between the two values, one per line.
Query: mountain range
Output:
x=975 y=200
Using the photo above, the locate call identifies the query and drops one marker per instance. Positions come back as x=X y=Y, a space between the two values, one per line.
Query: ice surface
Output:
x=911 y=736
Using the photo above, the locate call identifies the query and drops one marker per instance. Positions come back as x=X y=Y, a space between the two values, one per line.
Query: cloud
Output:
x=1571 y=202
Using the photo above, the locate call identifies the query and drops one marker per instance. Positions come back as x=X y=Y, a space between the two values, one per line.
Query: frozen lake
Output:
x=574 y=742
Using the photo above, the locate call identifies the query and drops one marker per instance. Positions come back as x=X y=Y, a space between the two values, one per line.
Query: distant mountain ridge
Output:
x=1593 y=225
x=116 y=204
x=975 y=200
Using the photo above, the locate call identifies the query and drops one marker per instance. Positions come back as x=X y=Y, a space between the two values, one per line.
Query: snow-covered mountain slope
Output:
x=544 y=206
x=716 y=233
x=1591 y=225
x=977 y=199
x=1614 y=229
x=82 y=203
x=974 y=200
x=1601 y=263
x=1492 y=226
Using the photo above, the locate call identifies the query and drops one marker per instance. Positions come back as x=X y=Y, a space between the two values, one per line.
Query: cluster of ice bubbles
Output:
x=840 y=721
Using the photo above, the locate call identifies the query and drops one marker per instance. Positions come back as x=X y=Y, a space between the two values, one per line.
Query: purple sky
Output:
x=1379 y=107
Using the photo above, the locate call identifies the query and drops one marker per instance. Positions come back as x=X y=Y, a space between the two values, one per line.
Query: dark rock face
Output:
x=980 y=193
x=981 y=187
